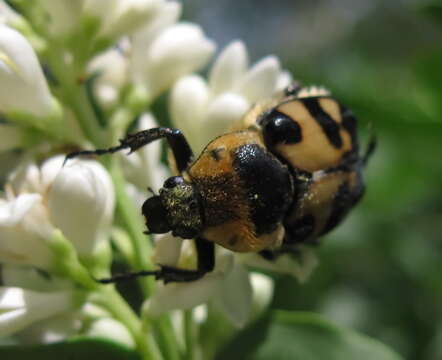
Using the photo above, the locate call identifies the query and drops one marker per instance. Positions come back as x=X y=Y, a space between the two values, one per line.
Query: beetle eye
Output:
x=156 y=216
x=173 y=181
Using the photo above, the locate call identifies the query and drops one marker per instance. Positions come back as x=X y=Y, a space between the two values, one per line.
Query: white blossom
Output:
x=20 y=308
x=53 y=328
x=120 y=17
x=24 y=88
x=234 y=295
x=83 y=314
x=81 y=203
x=7 y=14
x=163 y=51
x=111 y=68
x=111 y=329
x=77 y=199
x=24 y=230
x=204 y=110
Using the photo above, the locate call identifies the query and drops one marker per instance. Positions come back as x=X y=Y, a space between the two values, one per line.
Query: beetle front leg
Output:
x=177 y=142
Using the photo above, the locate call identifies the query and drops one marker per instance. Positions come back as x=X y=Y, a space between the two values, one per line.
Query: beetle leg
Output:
x=177 y=142
x=371 y=147
x=206 y=263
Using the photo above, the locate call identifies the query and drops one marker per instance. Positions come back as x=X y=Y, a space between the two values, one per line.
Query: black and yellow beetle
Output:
x=285 y=175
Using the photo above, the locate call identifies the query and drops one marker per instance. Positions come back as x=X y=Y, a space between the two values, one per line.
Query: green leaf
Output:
x=288 y=335
x=76 y=349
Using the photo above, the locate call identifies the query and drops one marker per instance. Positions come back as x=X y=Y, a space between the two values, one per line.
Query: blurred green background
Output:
x=381 y=271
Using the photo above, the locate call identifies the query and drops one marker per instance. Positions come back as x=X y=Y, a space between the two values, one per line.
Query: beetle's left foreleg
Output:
x=177 y=142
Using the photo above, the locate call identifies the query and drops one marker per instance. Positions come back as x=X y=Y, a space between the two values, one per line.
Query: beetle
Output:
x=287 y=173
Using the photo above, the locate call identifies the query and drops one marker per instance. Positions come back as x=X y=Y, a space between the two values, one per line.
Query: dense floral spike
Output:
x=104 y=62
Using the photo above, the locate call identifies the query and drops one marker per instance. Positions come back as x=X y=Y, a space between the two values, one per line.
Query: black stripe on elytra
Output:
x=267 y=183
x=349 y=123
x=331 y=127
x=344 y=200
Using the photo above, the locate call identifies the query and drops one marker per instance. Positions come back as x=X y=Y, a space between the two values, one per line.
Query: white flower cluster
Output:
x=76 y=200
x=56 y=221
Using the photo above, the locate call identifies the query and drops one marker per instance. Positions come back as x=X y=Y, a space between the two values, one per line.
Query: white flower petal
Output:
x=152 y=153
x=167 y=249
x=182 y=296
x=7 y=14
x=144 y=168
x=143 y=38
x=188 y=295
x=112 y=68
x=102 y=9
x=188 y=102
x=300 y=267
x=177 y=51
x=24 y=88
x=260 y=81
x=263 y=287
x=49 y=171
x=81 y=202
x=234 y=296
x=111 y=329
x=62 y=15
x=229 y=67
x=30 y=278
x=26 y=178
x=155 y=172
x=20 y=308
x=11 y=213
x=222 y=113
x=284 y=80
x=120 y=17
x=53 y=329
x=24 y=227
x=167 y=15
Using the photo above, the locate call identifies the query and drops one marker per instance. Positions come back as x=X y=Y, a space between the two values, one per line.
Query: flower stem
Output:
x=132 y=219
x=189 y=334
x=73 y=91
x=121 y=311
x=80 y=105
x=67 y=263
x=165 y=337
x=134 y=226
